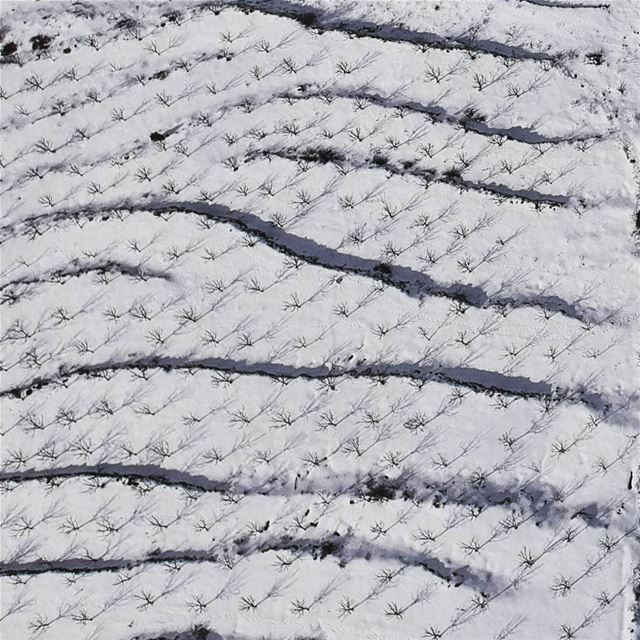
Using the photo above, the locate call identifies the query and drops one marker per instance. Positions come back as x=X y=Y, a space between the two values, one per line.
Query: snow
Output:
x=347 y=348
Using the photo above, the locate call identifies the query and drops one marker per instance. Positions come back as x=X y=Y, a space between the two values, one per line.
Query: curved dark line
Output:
x=330 y=155
x=403 y=278
x=143 y=472
x=566 y=5
x=197 y=633
x=323 y=21
x=436 y=113
x=344 y=548
x=534 y=498
x=66 y=273
x=477 y=380
x=413 y=283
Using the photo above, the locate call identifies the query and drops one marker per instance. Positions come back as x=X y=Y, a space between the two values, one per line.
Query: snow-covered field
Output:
x=319 y=320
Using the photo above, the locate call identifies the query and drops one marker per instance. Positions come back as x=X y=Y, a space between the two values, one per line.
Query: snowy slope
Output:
x=319 y=320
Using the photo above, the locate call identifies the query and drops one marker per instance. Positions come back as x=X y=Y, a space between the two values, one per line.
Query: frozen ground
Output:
x=320 y=320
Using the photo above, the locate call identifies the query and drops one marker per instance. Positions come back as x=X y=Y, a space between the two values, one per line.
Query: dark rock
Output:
x=40 y=42
x=9 y=49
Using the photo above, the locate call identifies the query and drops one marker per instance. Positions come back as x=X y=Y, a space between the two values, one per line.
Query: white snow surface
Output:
x=320 y=320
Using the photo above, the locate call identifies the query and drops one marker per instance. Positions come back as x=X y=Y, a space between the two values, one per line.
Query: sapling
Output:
x=434 y=73
x=288 y=65
x=59 y=107
x=44 y=146
x=232 y=163
x=34 y=83
x=152 y=47
x=480 y=81
x=346 y=606
x=47 y=200
x=357 y=134
x=21 y=110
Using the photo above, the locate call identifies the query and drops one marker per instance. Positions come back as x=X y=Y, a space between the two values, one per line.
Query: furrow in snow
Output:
x=411 y=282
x=471 y=122
x=323 y=21
x=551 y=4
x=536 y=499
x=344 y=548
x=477 y=380
x=453 y=178
x=63 y=274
